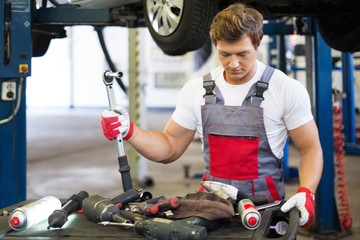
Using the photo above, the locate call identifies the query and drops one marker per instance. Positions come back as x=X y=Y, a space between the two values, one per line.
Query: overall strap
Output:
x=212 y=93
x=255 y=94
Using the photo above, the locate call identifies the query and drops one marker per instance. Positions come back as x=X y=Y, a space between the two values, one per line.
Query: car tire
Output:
x=340 y=35
x=191 y=30
x=40 y=44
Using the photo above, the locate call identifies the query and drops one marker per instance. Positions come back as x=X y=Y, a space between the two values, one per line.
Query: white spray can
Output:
x=250 y=217
x=28 y=215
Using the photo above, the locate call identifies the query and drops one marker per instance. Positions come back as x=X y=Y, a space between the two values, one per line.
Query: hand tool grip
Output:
x=127 y=196
x=166 y=205
x=124 y=168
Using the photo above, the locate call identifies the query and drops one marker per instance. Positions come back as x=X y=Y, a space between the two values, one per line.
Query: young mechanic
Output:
x=243 y=119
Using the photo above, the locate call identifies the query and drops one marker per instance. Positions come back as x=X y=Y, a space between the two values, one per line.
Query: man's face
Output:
x=238 y=58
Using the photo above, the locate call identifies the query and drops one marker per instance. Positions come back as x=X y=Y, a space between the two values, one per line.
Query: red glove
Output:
x=304 y=200
x=115 y=122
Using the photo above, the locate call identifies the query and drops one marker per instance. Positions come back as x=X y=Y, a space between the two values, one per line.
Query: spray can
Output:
x=250 y=217
x=28 y=215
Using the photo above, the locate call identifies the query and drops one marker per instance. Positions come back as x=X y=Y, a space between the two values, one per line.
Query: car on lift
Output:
x=180 y=26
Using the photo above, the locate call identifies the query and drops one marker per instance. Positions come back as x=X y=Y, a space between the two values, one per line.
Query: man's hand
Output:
x=305 y=202
x=115 y=122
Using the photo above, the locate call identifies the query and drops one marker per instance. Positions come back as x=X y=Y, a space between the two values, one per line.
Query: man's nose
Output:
x=233 y=62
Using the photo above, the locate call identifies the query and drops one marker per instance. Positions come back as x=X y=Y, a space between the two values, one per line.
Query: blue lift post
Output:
x=327 y=219
x=15 y=65
x=348 y=103
x=319 y=67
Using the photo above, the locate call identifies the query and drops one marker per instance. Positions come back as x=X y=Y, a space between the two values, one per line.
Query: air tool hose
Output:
x=341 y=187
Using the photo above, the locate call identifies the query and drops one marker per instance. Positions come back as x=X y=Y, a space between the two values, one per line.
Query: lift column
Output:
x=327 y=219
x=15 y=64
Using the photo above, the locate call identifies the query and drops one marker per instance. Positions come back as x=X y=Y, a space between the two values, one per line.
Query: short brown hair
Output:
x=234 y=22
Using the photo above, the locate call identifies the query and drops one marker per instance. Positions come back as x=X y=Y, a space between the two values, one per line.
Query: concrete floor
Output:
x=67 y=153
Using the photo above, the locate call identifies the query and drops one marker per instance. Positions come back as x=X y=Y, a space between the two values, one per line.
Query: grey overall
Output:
x=236 y=149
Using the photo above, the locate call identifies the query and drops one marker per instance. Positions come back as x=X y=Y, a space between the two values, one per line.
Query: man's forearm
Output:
x=158 y=146
x=310 y=170
x=151 y=144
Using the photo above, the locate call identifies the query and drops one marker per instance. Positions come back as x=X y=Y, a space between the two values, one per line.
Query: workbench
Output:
x=79 y=227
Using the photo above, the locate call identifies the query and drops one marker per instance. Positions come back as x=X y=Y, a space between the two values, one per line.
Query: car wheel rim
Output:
x=164 y=15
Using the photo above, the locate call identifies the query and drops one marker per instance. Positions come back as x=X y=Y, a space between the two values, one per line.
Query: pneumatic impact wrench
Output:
x=103 y=211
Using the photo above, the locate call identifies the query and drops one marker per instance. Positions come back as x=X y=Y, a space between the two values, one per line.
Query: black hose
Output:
x=54 y=2
x=111 y=64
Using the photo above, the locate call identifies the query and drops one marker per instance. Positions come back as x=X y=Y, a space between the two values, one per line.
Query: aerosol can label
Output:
x=250 y=217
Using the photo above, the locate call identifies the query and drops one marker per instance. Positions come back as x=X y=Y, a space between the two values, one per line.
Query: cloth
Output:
x=206 y=205
x=286 y=105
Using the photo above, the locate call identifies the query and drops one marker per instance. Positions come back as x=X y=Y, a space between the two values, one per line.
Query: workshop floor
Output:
x=67 y=153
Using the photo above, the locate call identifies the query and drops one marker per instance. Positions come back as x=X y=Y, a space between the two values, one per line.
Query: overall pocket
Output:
x=233 y=157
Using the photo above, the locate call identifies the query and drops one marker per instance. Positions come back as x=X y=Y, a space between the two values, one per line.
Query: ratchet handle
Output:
x=124 y=168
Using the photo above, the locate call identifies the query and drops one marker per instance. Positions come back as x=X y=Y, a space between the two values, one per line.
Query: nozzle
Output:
x=17 y=221
x=57 y=219
x=14 y=222
x=252 y=221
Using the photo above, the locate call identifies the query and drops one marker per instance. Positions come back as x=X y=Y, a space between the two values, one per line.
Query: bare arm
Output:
x=164 y=147
x=306 y=140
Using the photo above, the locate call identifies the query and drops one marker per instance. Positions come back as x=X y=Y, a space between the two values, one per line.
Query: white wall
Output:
x=70 y=73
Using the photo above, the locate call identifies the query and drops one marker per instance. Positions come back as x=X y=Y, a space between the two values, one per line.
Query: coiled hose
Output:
x=341 y=187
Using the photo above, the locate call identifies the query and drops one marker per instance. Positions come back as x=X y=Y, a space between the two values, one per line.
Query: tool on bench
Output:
x=124 y=168
x=276 y=224
x=97 y=209
x=209 y=225
x=161 y=228
x=246 y=209
x=232 y=192
x=28 y=215
x=131 y=216
x=249 y=215
x=162 y=206
x=140 y=207
x=131 y=195
x=60 y=216
x=268 y=205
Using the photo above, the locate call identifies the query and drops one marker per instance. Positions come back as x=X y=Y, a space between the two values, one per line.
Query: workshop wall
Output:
x=70 y=73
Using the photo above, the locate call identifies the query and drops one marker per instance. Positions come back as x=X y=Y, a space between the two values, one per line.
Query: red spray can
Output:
x=250 y=217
